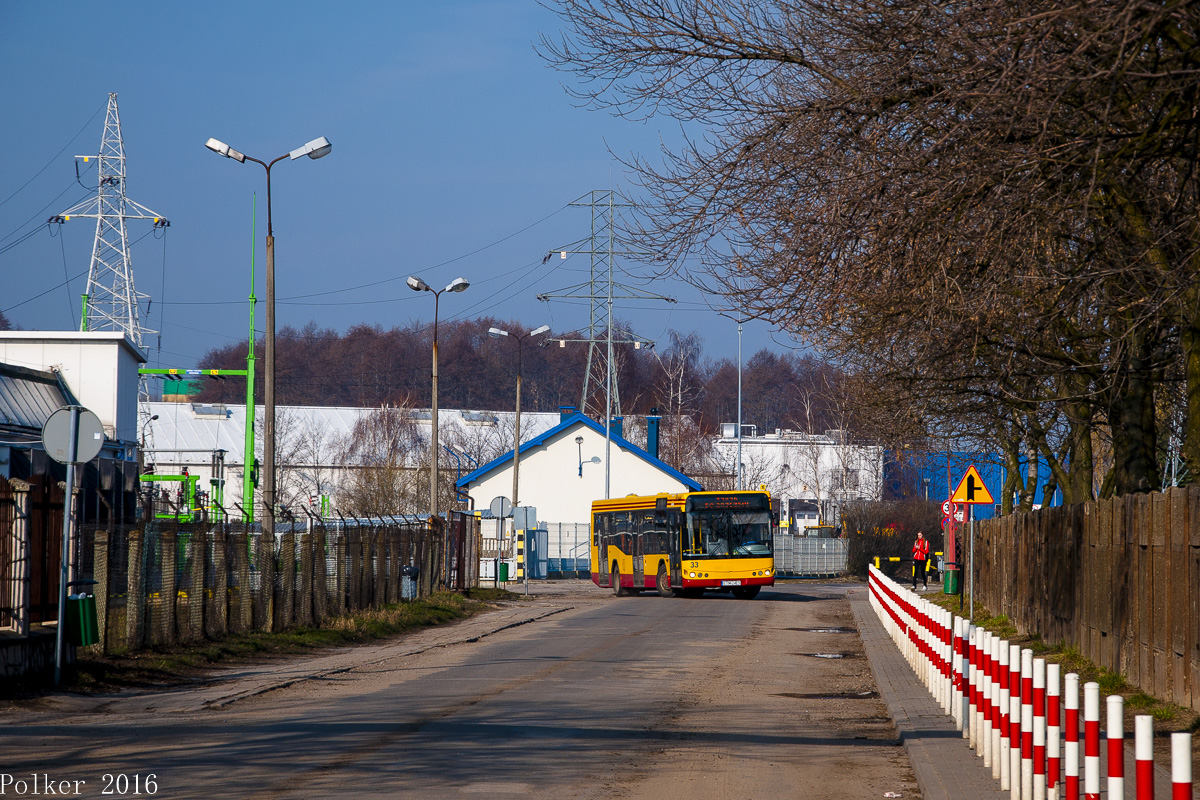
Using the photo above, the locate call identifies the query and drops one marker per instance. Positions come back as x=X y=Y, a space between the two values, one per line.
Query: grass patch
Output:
x=181 y=663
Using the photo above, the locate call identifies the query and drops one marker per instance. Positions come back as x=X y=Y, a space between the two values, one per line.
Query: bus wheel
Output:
x=615 y=575
x=746 y=592
x=664 y=582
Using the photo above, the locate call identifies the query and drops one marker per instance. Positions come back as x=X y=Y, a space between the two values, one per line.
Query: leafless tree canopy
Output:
x=984 y=211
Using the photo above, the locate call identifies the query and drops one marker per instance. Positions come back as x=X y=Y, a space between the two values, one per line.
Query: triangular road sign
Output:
x=972 y=489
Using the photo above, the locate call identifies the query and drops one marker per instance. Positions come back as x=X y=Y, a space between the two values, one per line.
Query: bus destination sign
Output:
x=734 y=501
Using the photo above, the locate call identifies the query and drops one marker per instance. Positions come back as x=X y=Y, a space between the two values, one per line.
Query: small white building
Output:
x=810 y=474
x=99 y=367
x=563 y=471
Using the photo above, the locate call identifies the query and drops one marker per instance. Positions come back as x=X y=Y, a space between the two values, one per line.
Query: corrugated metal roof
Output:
x=28 y=396
x=200 y=429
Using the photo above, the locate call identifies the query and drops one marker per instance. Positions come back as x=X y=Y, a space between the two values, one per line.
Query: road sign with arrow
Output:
x=972 y=490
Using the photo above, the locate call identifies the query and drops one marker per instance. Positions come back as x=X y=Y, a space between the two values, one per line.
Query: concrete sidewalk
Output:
x=945 y=765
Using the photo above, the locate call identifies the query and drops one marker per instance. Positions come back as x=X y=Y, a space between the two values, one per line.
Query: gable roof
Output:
x=565 y=425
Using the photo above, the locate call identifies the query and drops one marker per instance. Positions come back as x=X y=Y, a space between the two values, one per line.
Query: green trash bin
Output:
x=950 y=581
x=83 y=628
x=503 y=572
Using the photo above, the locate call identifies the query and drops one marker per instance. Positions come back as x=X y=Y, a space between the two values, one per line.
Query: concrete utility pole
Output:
x=520 y=338
x=418 y=285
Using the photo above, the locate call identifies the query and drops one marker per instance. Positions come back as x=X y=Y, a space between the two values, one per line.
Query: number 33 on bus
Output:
x=682 y=544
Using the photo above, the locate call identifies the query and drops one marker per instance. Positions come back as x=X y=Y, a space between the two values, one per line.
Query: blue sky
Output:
x=455 y=152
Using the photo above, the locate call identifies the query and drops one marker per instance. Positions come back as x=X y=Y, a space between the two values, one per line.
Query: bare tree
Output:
x=989 y=209
x=379 y=456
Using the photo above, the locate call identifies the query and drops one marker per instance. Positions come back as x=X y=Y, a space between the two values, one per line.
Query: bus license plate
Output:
x=731 y=583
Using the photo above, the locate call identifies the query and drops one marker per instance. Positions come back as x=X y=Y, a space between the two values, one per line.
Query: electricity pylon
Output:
x=601 y=397
x=111 y=302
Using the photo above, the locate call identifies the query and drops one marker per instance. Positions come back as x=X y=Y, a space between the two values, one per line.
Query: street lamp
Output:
x=317 y=148
x=739 y=422
x=418 y=285
x=579 y=444
x=497 y=333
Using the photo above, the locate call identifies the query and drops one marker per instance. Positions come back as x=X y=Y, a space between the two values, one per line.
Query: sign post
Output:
x=972 y=491
x=72 y=435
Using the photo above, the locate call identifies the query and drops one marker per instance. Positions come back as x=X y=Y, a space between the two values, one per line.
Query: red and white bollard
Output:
x=1091 y=741
x=1143 y=753
x=1039 y=729
x=1026 y=724
x=1181 y=766
x=971 y=726
x=1014 y=721
x=1053 y=729
x=979 y=735
x=956 y=705
x=1002 y=681
x=1071 y=745
x=985 y=700
x=999 y=681
x=1115 y=733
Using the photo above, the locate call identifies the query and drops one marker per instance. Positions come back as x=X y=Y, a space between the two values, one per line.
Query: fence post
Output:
x=100 y=589
x=320 y=573
x=135 y=593
x=167 y=594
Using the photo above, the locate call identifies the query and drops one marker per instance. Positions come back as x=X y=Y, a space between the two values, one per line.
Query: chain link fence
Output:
x=165 y=581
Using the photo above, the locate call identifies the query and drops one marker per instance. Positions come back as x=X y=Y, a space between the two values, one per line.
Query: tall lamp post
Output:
x=418 y=285
x=497 y=333
x=739 y=413
x=317 y=148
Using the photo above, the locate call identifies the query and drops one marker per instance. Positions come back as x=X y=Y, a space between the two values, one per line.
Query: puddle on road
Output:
x=824 y=630
x=829 y=695
x=828 y=655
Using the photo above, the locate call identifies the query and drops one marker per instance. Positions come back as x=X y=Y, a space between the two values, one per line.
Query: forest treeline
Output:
x=371 y=365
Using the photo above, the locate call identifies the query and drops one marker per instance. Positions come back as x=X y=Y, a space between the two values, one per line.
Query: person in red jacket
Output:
x=920 y=560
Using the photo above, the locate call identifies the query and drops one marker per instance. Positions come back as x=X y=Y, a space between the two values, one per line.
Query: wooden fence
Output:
x=164 y=583
x=1117 y=579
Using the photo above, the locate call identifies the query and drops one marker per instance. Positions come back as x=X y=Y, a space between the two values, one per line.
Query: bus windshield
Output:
x=718 y=533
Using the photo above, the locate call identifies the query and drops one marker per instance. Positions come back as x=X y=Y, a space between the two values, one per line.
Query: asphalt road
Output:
x=597 y=697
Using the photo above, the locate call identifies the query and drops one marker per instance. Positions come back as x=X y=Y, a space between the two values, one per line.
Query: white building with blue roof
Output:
x=563 y=470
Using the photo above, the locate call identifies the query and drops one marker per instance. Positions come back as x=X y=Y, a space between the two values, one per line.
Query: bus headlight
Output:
x=691 y=574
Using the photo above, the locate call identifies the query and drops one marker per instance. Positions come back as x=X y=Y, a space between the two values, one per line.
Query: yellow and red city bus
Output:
x=683 y=544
